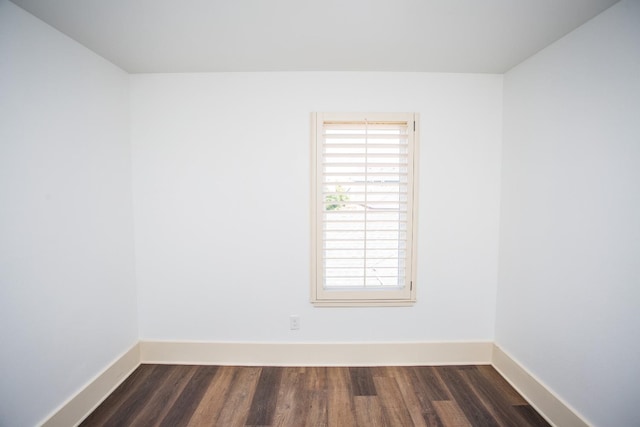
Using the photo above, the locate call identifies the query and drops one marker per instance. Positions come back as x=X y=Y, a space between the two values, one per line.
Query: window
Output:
x=363 y=232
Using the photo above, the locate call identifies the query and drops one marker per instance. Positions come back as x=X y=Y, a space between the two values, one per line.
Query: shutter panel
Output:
x=365 y=191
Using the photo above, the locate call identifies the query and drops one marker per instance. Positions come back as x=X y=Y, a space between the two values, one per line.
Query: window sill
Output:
x=363 y=303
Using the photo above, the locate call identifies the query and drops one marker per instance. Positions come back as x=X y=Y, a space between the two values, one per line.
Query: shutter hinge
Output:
x=411 y=286
x=414 y=125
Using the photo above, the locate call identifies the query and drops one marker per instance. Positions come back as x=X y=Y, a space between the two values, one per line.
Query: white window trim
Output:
x=336 y=298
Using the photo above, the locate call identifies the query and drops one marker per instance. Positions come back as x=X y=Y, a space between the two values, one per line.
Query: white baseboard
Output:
x=76 y=409
x=316 y=354
x=549 y=405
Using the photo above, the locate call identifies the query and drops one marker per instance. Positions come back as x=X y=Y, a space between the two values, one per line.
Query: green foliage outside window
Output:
x=336 y=199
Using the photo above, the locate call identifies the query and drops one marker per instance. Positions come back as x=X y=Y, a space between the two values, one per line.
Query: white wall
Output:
x=569 y=281
x=221 y=202
x=67 y=293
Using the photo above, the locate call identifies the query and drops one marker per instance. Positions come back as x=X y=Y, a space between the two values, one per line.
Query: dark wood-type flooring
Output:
x=179 y=395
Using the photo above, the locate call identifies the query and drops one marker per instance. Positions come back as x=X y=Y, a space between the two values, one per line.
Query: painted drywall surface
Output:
x=221 y=202
x=569 y=282
x=67 y=291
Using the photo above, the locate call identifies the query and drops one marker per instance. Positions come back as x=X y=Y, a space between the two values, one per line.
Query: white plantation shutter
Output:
x=364 y=204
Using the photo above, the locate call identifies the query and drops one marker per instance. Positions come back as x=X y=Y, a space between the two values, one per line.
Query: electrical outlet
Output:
x=294 y=322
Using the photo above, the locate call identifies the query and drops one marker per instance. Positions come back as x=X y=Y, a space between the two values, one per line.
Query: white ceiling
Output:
x=466 y=36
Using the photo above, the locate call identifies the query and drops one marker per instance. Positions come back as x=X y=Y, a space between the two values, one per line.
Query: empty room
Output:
x=319 y=213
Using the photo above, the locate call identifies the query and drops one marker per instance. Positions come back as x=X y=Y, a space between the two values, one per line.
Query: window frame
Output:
x=320 y=296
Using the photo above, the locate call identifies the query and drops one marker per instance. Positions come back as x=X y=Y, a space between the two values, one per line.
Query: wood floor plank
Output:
x=265 y=397
x=450 y=414
x=403 y=379
x=533 y=418
x=428 y=390
x=130 y=408
x=209 y=407
x=429 y=383
x=238 y=399
x=380 y=371
x=340 y=409
x=512 y=396
x=393 y=405
x=362 y=382
x=316 y=378
x=315 y=385
x=120 y=395
x=293 y=399
x=473 y=408
x=317 y=413
x=369 y=411
x=187 y=402
x=495 y=401
x=163 y=398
